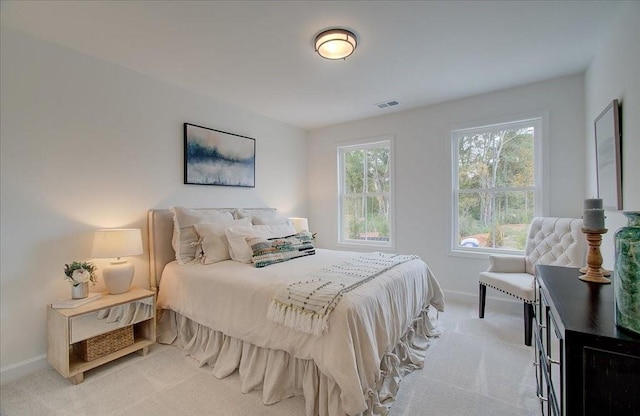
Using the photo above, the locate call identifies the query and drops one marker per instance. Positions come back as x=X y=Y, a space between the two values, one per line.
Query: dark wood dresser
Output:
x=585 y=364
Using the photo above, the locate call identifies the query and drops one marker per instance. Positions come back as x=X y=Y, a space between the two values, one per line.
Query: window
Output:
x=365 y=200
x=496 y=181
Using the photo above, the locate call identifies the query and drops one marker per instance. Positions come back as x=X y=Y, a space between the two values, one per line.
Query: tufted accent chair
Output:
x=550 y=241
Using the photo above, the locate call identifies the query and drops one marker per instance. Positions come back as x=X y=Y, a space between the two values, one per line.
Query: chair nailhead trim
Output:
x=510 y=294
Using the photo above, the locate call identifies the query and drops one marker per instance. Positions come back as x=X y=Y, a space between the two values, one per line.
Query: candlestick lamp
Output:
x=300 y=224
x=593 y=228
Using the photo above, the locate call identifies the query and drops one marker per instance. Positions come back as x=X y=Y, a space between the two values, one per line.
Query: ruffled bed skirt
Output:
x=280 y=376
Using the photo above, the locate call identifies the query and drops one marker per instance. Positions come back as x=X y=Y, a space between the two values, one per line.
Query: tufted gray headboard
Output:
x=160 y=226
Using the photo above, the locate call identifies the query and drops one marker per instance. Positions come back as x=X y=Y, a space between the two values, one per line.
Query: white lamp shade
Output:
x=117 y=242
x=300 y=224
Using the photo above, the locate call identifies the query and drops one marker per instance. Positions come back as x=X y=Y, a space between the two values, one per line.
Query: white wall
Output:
x=86 y=144
x=614 y=73
x=423 y=168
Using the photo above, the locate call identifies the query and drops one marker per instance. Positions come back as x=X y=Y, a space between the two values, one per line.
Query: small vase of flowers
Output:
x=79 y=275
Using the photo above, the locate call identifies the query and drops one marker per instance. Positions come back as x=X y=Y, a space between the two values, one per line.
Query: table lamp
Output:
x=300 y=224
x=116 y=244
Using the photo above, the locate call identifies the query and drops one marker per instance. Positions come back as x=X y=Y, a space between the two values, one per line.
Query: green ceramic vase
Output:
x=627 y=273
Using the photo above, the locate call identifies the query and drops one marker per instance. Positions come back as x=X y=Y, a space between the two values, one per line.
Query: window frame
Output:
x=363 y=144
x=539 y=122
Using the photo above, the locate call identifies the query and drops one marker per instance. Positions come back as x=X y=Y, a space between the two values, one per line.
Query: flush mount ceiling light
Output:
x=336 y=44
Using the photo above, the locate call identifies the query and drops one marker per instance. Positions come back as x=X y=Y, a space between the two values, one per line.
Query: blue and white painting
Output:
x=213 y=157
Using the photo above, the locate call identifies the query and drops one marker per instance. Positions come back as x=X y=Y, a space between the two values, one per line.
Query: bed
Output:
x=218 y=314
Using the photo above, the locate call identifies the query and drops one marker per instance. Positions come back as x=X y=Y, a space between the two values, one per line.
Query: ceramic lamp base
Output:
x=118 y=276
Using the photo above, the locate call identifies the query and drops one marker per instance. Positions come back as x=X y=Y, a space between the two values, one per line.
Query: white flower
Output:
x=80 y=275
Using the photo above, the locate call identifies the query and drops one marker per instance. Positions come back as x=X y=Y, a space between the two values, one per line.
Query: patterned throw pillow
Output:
x=276 y=250
x=239 y=249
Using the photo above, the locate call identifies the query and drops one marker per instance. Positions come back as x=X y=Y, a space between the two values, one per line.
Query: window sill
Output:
x=483 y=253
x=364 y=246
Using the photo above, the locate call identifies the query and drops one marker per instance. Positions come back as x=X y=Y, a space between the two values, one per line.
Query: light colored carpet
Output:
x=477 y=367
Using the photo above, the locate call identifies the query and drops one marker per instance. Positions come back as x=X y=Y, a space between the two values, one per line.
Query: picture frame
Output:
x=608 y=157
x=215 y=157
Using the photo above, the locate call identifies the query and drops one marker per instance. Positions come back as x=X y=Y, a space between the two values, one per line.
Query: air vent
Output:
x=387 y=104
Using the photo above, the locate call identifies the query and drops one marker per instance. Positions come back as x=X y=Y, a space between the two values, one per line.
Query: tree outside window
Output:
x=365 y=193
x=495 y=192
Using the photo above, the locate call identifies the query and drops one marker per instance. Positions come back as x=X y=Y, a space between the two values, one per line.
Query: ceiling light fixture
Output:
x=336 y=44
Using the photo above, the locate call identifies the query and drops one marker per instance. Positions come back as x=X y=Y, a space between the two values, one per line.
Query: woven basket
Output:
x=104 y=344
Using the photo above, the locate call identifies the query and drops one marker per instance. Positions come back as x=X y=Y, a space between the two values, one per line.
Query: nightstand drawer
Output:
x=107 y=319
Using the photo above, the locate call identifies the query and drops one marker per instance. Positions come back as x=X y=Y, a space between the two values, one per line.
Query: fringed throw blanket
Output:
x=305 y=305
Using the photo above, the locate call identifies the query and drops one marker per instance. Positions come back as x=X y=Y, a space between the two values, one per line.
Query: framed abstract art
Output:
x=214 y=157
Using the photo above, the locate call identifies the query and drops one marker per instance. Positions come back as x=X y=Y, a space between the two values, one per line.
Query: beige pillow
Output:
x=213 y=239
x=261 y=216
x=250 y=213
x=239 y=249
x=185 y=239
x=276 y=219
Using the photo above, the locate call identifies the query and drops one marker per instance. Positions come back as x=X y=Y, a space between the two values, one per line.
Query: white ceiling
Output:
x=259 y=55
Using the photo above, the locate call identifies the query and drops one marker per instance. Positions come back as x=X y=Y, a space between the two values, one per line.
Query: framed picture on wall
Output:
x=214 y=157
x=608 y=158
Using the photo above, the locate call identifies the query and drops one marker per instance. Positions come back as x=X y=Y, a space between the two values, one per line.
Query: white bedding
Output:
x=233 y=298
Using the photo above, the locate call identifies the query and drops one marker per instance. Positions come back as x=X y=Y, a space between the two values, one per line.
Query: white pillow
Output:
x=260 y=220
x=213 y=240
x=240 y=250
x=261 y=216
x=185 y=238
x=250 y=213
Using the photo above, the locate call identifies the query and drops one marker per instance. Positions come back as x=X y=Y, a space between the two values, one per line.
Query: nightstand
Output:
x=68 y=329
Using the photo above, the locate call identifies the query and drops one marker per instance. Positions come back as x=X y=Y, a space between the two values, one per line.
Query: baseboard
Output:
x=31 y=365
x=23 y=368
x=499 y=303
x=456 y=296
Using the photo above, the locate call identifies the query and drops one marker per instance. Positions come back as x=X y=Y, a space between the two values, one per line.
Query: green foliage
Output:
x=470 y=226
x=499 y=236
x=377 y=226
x=521 y=238
x=491 y=163
x=354 y=167
x=380 y=225
x=366 y=187
x=355 y=229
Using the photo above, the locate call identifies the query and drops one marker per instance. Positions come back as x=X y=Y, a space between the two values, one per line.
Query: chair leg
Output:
x=528 y=322
x=483 y=297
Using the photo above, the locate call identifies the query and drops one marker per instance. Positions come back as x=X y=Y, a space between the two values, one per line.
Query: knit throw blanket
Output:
x=305 y=305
